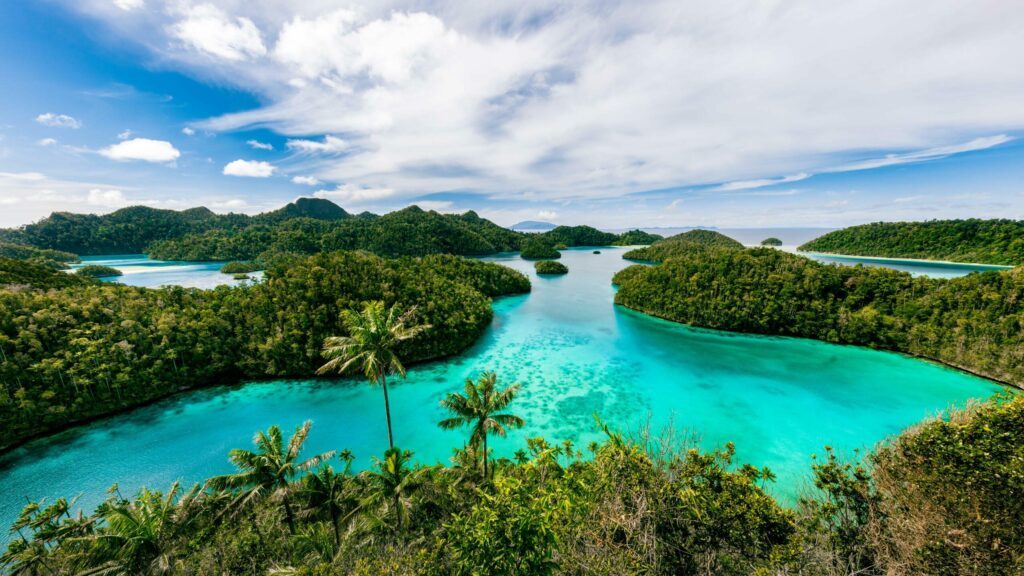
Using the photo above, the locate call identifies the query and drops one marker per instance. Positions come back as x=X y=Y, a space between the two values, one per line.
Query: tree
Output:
x=374 y=335
x=137 y=536
x=480 y=409
x=393 y=483
x=269 y=470
x=334 y=492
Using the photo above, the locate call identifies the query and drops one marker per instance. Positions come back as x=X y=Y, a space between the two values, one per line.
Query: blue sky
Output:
x=617 y=114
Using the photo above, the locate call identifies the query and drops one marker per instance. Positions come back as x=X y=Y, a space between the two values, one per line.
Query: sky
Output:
x=614 y=113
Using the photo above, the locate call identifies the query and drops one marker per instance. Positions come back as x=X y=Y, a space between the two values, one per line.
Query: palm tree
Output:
x=479 y=408
x=269 y=470
x=137 y=536
x=393 y=483
x=334 y=491
x=373 y=335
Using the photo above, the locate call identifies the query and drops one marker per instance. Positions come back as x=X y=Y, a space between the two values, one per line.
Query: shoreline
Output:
x=936 y=361
x=906 y=260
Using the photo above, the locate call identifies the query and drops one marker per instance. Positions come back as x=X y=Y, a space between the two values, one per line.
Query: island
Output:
x=550 y=267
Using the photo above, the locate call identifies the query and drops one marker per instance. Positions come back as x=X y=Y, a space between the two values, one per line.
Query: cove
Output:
x=779 y=400
x=138 y=270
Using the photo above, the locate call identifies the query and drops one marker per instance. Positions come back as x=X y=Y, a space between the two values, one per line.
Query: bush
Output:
x=96 y=271
x=550 y=267
x=240 y=267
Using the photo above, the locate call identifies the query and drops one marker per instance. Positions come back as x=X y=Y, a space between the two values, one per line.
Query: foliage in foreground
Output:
x=972 y=240
x=624 y=510
x=86 y=349
x=975 y=322
x=942 y=498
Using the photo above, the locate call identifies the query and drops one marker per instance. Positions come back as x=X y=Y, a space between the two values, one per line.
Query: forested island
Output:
x=306 y=226
x=74 y=348
x=975 y=322
x=973 y=241
x=941 y=498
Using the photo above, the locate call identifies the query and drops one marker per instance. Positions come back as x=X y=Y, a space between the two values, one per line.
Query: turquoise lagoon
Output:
x=138 y=270
x=577 y=355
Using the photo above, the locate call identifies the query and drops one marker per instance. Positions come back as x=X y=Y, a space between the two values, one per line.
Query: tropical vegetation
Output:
x=975 y=322
x=973 y=240
x=941 y=498
x=771 y=241
x=550 y=267
x=682 y=243
x=97 y=271
x=74 y=349
x=240 y=267
x=537 y=249
x=52 y=258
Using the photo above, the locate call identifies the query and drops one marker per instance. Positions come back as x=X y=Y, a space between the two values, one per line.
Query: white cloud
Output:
x=257 y=145
x=760 y=183
x=142 y=149
x=306 y=180
x=330 y=145
x=209 y=29
x=58 y=120
x=188 y=131
x=249 y=169
x=354 y=194
x=129 y=5
x=124 y=135
x=547 y=215
x=435 y=205
x=47 y=142
x=924 y=155
x=108 y=198
x=230 y=204
x=23 y=176
x=587 y=100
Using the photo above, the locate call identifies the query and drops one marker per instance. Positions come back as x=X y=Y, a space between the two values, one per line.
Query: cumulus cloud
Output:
x=354 y=193
x=249 y=169
x=306 y=180
x=108 y=198
x=188 y=131
x=144 y=149
x=47 y=142
x=547 y=215
x=257 y=145
x=598 y=98
x=209 y=29
x=58 y=120
x=330 y=145
x=124 y=135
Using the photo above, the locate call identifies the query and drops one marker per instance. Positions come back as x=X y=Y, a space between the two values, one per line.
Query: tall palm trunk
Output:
x=387 y=409
x=485 y=456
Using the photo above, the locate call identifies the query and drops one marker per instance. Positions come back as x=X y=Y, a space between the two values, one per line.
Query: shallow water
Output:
x=138 y=270
x=575 y=353
x=934 y=269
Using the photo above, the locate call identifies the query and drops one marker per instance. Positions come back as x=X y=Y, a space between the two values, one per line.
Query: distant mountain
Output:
x=532 y=226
